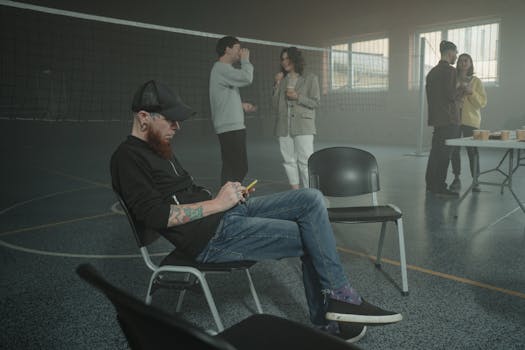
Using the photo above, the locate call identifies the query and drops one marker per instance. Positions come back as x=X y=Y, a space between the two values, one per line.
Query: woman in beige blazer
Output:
x=295 y=99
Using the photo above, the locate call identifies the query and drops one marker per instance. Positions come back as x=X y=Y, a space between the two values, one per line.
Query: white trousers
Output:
x=295 y=151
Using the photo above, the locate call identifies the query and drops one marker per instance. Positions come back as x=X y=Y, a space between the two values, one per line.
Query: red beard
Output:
x=161 y=146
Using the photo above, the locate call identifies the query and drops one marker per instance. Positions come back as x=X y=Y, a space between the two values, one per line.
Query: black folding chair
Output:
x=345 y=172
x=147 y=327
x=178 y=263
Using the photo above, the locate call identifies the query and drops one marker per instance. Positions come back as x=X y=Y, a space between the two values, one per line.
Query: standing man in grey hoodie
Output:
x=227 y=109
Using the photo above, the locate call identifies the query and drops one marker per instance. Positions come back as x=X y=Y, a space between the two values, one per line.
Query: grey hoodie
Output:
x=226 y=105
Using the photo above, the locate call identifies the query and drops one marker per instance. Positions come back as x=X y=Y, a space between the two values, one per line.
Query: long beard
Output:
x=161 y=146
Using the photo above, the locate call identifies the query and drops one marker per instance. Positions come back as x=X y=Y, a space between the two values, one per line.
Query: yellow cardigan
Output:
x=470 y=113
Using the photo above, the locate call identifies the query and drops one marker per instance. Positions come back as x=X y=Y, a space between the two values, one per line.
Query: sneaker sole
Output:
x=363 y=319
x=357 y=337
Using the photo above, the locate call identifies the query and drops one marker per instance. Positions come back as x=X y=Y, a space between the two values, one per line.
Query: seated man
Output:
x=232 y=226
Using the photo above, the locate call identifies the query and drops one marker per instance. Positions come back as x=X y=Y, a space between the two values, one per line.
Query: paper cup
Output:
x=476 y=134
x=505 y=135
x=520 y=134
x=484 y=135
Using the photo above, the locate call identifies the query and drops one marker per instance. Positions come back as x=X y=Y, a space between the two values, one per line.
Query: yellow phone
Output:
x=250 y=186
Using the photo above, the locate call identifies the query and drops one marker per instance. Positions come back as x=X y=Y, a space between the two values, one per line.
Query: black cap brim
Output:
x=178 y=113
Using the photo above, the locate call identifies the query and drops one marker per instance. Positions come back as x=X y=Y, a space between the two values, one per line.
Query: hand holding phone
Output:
x=249 y=187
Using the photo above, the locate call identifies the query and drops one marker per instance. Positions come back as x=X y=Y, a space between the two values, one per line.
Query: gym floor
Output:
x=466 y=264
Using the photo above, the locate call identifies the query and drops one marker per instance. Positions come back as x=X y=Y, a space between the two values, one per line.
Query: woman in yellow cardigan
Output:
x=474 y=98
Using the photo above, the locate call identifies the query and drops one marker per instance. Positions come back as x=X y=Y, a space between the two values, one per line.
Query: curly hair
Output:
x=296 y=57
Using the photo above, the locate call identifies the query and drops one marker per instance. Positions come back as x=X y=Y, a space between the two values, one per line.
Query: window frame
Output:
x=353 y=40
x=444 y=28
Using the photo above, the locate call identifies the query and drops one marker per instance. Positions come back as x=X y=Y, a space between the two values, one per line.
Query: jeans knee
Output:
x=313 y=195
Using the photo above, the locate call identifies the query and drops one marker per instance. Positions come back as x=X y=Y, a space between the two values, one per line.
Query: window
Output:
x=432 y=56
x=360 y=65
x=481 y=41
x=340 y=66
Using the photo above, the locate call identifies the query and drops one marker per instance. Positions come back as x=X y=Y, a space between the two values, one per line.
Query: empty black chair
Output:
x=147 y=327
x=176 y=262
x=345 y=172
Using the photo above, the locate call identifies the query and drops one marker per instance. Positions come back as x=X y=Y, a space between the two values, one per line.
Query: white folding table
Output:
x=511 y=146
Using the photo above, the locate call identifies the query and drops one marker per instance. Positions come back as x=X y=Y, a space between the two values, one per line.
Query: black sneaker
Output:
x=364 y=313
x=476 y=188
x=455 y=186
x=446 y=194
x=351 y=333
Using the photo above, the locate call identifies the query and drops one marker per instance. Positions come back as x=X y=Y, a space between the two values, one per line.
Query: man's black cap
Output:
x=156 y=97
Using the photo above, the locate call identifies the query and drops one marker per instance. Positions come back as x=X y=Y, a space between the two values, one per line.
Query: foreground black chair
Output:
x=147 y=327
x=346 y=171
x=177 y=263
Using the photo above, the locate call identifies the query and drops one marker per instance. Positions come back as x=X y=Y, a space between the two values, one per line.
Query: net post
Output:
x=419 y=145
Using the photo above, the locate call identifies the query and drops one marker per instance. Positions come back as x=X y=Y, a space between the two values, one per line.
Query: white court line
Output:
x=72 y=255
x=496 y=221
x=44 y=197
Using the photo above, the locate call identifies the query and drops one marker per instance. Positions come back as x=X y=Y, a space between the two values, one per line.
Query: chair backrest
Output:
x=147 y=327
x=143 y=235
x=343 y=171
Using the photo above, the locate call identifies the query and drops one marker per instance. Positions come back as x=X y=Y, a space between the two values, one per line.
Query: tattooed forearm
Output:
x=182 y=214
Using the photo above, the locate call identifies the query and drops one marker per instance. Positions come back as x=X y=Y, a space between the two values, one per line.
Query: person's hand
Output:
x=468 y=90
x=291 y=94
x=278 y=77
x=248 y=190
x=248 y=107
x=246 y=194
x=461 y=91
x=230 y=195
x=245 y=54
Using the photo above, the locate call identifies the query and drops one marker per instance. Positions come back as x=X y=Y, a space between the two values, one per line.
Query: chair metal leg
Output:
x=150 y=286
x=254 y=293
x=402 y=256
x=380 y=245
x=211 y=302
x=182 y=294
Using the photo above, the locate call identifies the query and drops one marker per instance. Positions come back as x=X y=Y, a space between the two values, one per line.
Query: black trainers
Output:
x=455 y=186
x=476 y=188
x=351 y=333
x=364 y=313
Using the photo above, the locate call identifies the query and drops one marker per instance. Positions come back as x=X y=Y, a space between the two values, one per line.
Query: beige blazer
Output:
x=302 y=113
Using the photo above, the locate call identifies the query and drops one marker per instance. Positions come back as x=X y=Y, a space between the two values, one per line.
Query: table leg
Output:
x=475 y=177
x=511 y=168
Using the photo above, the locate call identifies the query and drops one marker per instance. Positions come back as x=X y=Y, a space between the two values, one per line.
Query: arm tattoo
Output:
x=182 y=214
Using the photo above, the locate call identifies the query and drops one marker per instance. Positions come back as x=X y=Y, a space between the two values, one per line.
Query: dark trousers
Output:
x=234 y=156
x=439 y=157
x=472 y=152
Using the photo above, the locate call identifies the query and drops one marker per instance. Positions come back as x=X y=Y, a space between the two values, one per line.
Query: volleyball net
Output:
x=67 y=66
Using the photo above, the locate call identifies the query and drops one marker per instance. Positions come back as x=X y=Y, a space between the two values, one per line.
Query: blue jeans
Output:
x=282 y=225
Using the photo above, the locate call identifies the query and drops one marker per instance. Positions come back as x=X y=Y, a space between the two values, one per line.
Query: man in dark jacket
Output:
x=162 y=197
x=443 y=99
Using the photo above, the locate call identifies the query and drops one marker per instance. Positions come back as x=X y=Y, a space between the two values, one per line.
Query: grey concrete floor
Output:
x=466 y=273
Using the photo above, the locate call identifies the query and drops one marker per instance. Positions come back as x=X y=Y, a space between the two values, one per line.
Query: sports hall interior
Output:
x=68 y=70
